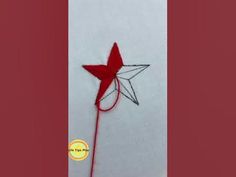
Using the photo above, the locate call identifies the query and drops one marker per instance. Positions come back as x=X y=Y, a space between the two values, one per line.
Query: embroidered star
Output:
x=116 y=69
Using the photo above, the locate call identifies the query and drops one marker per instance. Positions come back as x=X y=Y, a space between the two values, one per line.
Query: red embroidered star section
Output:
x=106 y=73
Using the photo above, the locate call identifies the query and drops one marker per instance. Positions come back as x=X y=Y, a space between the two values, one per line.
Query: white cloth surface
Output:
x=132 y=140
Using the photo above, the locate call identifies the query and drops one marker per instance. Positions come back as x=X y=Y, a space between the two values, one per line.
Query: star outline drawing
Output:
x=115 y=68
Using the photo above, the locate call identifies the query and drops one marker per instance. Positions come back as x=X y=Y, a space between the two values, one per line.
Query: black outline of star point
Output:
x=131 y=96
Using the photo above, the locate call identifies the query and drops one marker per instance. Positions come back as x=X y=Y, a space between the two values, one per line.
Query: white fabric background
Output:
x=132 y=139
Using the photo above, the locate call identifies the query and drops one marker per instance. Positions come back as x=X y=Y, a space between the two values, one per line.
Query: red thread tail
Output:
x=95 y=141
x=97 y=126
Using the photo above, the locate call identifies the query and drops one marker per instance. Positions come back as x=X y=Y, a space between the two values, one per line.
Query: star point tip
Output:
x=115 y=44
x=85 y=66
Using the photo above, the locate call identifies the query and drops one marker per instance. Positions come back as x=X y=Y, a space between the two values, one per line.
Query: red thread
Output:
x=105 y=73
x=97 y=125
x=95 y=143
x=117 y=98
